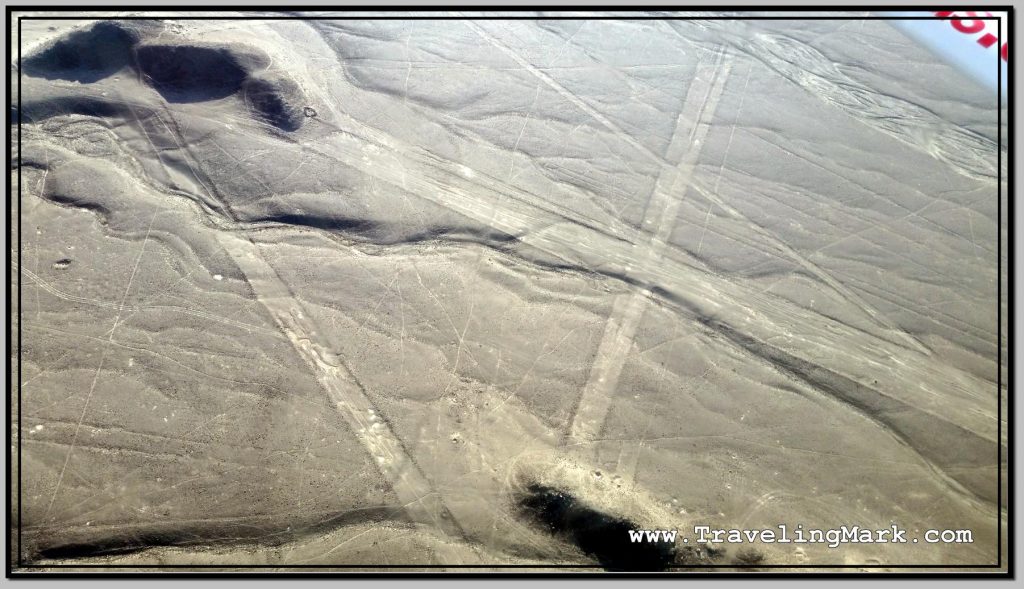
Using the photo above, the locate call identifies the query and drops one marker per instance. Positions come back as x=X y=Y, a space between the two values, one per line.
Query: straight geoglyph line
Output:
x=662 y=209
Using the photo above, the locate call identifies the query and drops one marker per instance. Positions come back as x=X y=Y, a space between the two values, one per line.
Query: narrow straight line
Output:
x=20 y=205
x=96 y=376
x=637 y=17
x=999 y=299
x=1010 y=293
x=757 y=567
x=7 y=307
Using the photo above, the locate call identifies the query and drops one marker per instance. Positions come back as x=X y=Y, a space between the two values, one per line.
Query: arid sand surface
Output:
x=341 y=291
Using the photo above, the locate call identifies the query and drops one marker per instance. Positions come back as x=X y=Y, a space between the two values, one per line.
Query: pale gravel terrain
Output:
x=345 y=291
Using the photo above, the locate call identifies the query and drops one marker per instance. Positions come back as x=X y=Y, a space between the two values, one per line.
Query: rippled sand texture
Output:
x=475 y=292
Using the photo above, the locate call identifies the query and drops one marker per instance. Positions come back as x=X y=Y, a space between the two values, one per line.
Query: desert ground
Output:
x=334 y=291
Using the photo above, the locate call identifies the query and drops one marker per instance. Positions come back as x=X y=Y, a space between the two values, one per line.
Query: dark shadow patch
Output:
x=179 y=73
x=274 y=103
x=264 y=531
x=84 y=56
x=77 y=202
x=456 y=234
x=39 y=110
x=322 y=222
x=604 y=537
x=189 y=73
x=108 y=547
